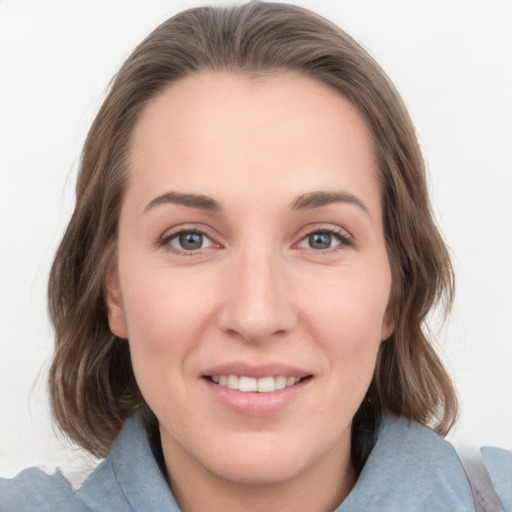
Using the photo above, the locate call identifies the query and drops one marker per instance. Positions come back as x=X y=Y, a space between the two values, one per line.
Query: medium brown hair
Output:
x=92 y=385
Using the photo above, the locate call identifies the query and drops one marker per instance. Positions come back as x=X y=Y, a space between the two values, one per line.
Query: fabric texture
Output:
x=409 y=469
x=499 y=465
x=482 y=487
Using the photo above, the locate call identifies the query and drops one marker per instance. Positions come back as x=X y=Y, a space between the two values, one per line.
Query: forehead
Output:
x=237 y=133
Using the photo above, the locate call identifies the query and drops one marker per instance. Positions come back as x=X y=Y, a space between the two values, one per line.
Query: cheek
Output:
x=162 y=317
x=163 y=330
x=352 y=304
x=348 y=318
x=169 y=313
x=159 y=301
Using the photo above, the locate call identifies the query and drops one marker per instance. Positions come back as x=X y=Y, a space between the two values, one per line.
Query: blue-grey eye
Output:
x=190 y=241
x=320 y=240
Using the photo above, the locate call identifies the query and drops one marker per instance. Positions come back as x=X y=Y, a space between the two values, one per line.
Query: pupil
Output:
x=191 y=241
x=320 y=241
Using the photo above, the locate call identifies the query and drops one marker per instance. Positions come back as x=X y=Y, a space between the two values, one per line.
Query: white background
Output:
x=450 y=59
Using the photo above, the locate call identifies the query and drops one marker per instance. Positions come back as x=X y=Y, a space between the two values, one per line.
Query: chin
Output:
x=265 y=472
x=260 y=459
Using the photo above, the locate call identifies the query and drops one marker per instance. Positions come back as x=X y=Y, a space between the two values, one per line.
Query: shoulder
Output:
x=499 y=466
x=129 y=479
x=410 y=468
x=34 y=490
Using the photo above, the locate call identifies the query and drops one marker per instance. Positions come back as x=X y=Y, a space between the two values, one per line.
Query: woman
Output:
x=239 y=296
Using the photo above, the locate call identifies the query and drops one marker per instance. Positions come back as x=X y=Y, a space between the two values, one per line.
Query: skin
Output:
x=256 y=290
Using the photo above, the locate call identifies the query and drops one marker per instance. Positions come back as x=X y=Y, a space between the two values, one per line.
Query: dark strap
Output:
x=482 y=488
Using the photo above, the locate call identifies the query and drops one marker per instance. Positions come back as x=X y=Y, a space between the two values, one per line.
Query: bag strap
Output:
x=482 y=488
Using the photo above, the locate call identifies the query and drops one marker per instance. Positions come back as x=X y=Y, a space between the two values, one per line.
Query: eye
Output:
x=188 y=241
x=323 y=240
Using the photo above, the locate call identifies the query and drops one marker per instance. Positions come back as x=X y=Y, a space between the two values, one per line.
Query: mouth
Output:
x=262 y=390
x=247 y=384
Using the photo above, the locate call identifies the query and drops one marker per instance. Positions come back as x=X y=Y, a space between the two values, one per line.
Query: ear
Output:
x=389 y=321
x=112 y=296
x=388 y=328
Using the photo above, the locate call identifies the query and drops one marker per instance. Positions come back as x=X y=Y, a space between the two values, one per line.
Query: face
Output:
x=251 y=255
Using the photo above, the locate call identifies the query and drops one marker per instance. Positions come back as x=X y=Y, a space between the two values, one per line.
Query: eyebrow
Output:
x=308 y=201
x=197 y=201
x=313 y=200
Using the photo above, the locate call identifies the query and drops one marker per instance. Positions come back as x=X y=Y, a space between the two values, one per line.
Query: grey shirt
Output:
x=410 y=469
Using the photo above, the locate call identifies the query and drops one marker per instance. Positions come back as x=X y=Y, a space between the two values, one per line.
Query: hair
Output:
x=92 y=385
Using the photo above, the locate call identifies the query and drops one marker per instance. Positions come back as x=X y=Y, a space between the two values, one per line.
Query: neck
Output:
x=321 y=488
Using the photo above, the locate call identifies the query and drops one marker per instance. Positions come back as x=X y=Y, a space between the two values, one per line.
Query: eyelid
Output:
x=177 y=236
x=345 y=238
x=174 y=232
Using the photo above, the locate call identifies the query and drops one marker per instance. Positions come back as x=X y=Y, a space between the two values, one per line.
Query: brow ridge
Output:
x=318 y=199
x=197 y=201
x=308 y=201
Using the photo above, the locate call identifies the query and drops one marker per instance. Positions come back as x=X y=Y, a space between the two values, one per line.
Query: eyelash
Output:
x=344 y=239
x=165 y=241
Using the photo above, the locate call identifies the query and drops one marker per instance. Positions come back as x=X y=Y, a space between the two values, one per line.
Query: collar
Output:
x=410 y=468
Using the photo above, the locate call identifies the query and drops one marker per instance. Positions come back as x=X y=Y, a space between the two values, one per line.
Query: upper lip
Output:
x=241 y=369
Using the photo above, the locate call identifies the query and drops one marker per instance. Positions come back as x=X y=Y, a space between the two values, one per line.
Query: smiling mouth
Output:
x=256 y=385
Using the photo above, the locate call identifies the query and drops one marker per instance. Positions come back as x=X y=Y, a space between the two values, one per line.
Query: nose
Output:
x=257 y=305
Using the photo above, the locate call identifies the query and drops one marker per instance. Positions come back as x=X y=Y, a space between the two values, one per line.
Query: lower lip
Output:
x=253 y=403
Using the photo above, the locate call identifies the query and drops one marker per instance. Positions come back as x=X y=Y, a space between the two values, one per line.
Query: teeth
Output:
x=233 y=382
x=266 y=385
x=245 y=384
x=250 y=384
x=280 y=382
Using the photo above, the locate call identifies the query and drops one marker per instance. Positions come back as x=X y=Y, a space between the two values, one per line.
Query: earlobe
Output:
x=387 y=331
x=388 y=325
x=390 y=319
x=112 y=296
